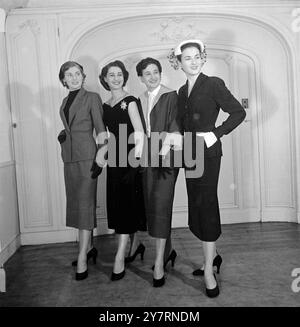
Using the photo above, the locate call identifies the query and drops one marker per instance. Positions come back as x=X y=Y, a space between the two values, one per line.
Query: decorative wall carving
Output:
x=177 y=28
x=33 y=25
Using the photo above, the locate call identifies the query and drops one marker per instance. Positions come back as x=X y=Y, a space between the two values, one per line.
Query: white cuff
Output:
x=209 y=138
x=139 y=143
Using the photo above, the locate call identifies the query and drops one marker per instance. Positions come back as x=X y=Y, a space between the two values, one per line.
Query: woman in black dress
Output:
x=81 y=114
x=199 y=102
x=125 y=202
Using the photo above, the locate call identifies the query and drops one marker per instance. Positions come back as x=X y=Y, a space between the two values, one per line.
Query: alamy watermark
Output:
x=295 y=286
x=190 y=154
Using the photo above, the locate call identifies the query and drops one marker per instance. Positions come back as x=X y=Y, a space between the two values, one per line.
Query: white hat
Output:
x=177 y=50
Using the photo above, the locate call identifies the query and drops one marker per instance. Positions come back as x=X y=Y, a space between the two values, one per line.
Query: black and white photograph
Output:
x=149 y=157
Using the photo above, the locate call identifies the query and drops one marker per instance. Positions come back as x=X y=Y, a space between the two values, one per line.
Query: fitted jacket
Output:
x=199 y=111
x=164 y=111
x=163 y=116
x=85 y=115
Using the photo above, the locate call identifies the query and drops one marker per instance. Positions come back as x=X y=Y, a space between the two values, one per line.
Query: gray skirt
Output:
x=159 y=196
x=81 y=194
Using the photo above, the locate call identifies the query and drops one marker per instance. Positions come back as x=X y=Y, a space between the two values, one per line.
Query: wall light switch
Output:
x=245 y=103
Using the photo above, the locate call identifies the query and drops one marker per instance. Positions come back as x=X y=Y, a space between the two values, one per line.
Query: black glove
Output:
x=96 y=170
x=62 y=136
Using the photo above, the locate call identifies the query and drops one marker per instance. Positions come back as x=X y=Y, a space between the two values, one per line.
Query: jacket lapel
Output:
x=62 y=114
x=76 y=105
x=163 y=89
x=144 y=103
x=199 y=81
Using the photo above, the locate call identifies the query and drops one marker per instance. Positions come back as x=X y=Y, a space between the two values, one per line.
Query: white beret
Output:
x=177 y=50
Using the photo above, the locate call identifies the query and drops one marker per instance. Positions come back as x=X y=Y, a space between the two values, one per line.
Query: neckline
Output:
x=74 y=91
x=121 y=99
x=192 y=88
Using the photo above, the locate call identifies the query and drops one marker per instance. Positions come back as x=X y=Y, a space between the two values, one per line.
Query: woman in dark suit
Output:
x=199 y=102
x=81 y=114
x=159 y=111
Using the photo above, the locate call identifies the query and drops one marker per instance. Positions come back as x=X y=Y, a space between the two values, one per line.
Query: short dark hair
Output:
x=188 y=45
x=144 y=63
x=104 y=71
x=64 y=67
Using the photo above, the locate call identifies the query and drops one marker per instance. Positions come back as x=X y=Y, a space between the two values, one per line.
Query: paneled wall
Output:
x=9 y=222
x=253 y=48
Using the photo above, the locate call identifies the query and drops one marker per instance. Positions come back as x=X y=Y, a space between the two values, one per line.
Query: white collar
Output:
x=154 y=92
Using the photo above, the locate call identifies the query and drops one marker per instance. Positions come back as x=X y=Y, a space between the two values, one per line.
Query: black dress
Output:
x=124 y=192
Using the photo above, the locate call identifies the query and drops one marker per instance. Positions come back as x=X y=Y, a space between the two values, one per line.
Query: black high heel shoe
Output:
x=117 y=276
x=159 y=282
x=172 y=256
x=214 y=292
x=91 y=254
x=81 y=276
x=140 y=250
x=216 y=263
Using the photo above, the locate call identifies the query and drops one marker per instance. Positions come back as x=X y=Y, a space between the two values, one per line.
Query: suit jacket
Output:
x=164 y=111
x=163 y=116
x=85 y=115
x=199 y=111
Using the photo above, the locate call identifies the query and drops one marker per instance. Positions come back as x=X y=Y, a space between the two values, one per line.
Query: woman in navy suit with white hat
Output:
x=200 y=100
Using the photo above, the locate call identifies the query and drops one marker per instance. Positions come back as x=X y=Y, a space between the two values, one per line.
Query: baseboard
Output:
x=180 y=219
x=298 y=217
x=102 y=228
x=61 y=236
x=280 y=215
x=10 y=249
x=56 y=236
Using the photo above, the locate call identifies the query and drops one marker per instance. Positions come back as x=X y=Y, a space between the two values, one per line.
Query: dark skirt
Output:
x=125 y=200
x=159 y=196
x=81 y=194
x=204 y=213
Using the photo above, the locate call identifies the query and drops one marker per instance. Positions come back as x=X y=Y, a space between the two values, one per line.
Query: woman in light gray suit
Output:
x=81 y=113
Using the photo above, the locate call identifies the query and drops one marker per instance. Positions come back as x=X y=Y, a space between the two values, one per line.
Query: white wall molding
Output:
x=46 y=237
x=2 y=20
x=10 y=248
x=118 y=14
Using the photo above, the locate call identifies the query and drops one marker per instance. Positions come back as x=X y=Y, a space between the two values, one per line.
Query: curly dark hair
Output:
x=144 y=63
x=104 y=71
x=64 y=67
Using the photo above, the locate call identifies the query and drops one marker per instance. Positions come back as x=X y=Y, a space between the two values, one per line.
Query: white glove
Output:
x=100 y=157
x=209 y=138
x=172 y=139
x=139 y=143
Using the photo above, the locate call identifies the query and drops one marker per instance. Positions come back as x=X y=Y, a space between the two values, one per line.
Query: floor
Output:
x=258 y=260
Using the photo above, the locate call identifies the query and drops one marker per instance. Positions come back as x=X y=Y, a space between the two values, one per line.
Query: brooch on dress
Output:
x=123 y=105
